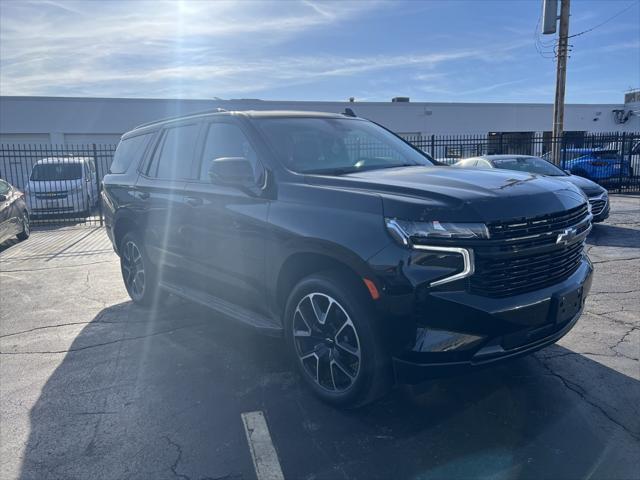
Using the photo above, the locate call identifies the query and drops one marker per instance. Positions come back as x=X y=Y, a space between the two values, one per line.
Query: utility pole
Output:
x=561 y=77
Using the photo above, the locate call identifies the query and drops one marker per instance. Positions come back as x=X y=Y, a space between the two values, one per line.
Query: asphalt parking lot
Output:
x=93 y=387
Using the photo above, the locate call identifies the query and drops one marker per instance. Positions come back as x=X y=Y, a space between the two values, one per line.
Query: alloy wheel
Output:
x=326 y=342
x=133 y=269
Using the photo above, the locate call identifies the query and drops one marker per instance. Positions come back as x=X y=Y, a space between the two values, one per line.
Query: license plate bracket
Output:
x=568 y=305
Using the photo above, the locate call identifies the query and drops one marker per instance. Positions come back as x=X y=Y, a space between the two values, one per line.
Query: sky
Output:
x=431 y=51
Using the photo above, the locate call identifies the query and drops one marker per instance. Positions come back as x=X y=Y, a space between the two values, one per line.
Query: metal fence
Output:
x=62 y=182
x=610 y=159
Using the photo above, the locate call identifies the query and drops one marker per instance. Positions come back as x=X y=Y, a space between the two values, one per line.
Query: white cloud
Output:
x=188 y=49
x=112 y=46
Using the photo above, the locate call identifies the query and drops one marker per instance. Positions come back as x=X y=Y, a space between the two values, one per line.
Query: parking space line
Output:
x=263 y=453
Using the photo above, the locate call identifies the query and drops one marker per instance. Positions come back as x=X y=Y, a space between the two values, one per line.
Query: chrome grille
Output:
x=51 y=195
x=597 y=205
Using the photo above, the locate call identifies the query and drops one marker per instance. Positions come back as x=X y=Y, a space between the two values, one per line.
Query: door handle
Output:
x=194 y=201
x=143 y=195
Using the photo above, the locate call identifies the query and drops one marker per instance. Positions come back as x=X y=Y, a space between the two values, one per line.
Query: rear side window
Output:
x=606 y=155
x=173 y=157
x=129 y=149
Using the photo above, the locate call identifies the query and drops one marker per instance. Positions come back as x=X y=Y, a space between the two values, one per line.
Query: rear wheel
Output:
x=26 y=226
x=138 y=272
x=331 y=331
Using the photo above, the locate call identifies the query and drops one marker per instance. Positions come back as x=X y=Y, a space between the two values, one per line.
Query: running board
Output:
x=246 y=316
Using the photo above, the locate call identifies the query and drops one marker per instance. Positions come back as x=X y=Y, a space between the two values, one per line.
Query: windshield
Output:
x=335 y=145
x=56 y=171
x=528 y=164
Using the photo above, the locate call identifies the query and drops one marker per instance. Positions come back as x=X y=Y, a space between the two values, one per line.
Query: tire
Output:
x=138 y=273
x=341 y=358
x=26 y=227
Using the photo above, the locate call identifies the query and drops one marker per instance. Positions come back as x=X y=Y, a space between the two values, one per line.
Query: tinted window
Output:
x=128 y=150
x=173 y=157
x=606 y=155
x=4 y=187
x=336 y=145
x=227 y=140
x=56 y=171
x=528 y=164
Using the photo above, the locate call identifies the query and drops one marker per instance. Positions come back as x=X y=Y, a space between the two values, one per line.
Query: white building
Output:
x=63 y=120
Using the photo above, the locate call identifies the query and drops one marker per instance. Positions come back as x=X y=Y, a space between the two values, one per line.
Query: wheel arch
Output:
x=302 y=264
x=123 y=224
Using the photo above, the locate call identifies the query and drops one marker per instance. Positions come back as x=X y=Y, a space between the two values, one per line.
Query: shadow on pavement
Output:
x=158 y=394
x=613 y=236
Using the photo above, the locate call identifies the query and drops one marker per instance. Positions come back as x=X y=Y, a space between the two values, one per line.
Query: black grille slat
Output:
x=515 y=229
x=527 y=256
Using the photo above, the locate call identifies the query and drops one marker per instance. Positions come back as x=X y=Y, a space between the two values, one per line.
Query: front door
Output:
x=225 y=227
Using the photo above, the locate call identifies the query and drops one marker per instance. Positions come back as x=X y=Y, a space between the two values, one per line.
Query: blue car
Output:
x=597 y=164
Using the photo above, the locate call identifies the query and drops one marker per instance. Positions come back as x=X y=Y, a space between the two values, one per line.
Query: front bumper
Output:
x=478 y=331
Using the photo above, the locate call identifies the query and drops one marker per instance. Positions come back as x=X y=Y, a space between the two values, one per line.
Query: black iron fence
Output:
x=62 y=182
x=610 y=159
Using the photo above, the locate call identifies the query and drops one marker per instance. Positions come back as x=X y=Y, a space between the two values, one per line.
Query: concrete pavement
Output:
x=92 y=386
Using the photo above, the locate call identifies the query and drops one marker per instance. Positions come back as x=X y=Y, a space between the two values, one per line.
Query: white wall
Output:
x=100 y=120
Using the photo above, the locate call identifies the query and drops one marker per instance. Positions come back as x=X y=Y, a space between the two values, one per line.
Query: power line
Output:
x=606 y=21
x=543 y=48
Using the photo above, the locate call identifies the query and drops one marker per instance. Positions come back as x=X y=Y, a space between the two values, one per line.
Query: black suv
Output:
x=375 y=265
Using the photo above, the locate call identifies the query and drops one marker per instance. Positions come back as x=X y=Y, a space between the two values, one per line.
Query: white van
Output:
x=62 y=185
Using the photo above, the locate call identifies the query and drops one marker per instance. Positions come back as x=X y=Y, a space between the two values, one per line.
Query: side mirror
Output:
x=567 y=171
x=234 y=171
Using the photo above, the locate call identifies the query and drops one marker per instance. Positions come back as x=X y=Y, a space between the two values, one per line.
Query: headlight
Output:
x=404 y=230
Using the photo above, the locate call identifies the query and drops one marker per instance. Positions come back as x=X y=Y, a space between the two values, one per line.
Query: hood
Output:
x=53 y=185
x=453 y=194
x=589 y=188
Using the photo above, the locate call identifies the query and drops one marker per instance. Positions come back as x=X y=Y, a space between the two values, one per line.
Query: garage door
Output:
x=28 y=138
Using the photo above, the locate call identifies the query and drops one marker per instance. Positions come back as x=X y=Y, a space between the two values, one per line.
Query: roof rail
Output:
x=176 y=117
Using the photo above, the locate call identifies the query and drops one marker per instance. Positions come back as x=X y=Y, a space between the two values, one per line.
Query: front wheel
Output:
x=26 y=227
x=331 y=330
x=137 y=271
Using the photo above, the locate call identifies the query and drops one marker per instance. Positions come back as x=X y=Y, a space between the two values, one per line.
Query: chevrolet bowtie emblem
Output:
x=566 y=236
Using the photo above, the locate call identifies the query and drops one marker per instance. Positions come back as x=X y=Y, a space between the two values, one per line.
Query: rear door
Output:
x=160 y=198
x=225 y=226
